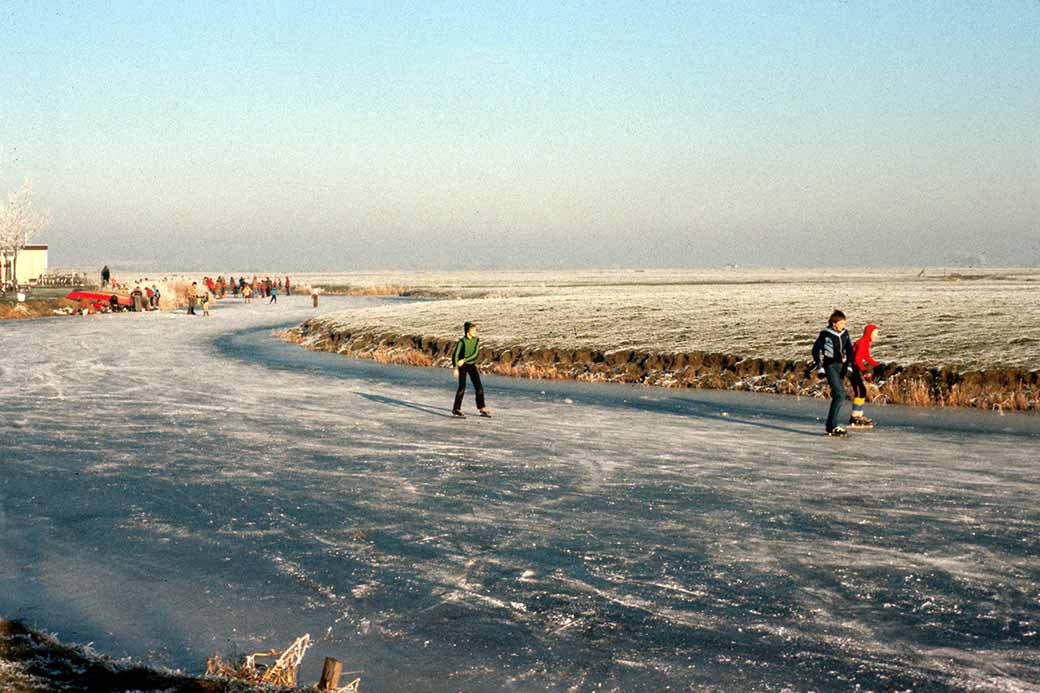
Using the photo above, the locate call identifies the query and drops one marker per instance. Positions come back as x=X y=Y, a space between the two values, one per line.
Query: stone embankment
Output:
x=1001 y=389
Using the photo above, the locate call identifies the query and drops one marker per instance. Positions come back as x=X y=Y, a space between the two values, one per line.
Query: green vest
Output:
x=466 y=351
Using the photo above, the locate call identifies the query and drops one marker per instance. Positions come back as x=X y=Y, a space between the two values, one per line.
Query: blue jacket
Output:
x=832 y=347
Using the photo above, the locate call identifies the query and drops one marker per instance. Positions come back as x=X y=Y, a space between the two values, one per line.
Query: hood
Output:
x=868 y=331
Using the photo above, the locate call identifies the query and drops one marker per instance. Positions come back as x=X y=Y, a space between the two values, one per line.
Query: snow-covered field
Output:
x=987 y=319
x=174 y=487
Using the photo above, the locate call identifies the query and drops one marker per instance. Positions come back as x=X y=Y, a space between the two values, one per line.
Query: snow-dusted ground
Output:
x=173 y=487
x=989 y=321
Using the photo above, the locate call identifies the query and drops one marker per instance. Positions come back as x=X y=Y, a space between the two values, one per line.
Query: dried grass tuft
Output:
x=282 y=672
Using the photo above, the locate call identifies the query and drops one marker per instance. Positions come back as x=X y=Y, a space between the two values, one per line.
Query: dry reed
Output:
x=282 y=672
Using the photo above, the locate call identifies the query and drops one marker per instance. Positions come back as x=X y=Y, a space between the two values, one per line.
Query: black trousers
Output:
x=474 y=375
x=859 y=387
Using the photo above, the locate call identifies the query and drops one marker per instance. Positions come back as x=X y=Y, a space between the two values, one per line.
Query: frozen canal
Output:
x=172 y=487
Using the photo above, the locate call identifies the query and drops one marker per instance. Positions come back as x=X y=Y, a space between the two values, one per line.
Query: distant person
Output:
x=274 y=294
x=193 y=297
x=155 y=296
x=204 y=299
x=832 y=358
x=862 y=373
x=464 y=362
x=314 y=296
x=137 y=296
x=288 y=289
x=247 y=293
x=106 y=274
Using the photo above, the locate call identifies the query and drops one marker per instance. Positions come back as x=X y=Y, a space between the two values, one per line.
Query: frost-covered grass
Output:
x=990 y=319
x=35 y=662
x=175 y=487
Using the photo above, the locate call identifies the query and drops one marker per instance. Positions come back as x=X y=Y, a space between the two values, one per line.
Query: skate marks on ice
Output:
x=586 y=536
x=754 y=482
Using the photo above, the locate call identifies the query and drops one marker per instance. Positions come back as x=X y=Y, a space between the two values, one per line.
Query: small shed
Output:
x=31 y=264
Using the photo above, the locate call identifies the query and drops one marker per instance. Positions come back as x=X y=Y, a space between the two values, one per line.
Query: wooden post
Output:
x=330 y=674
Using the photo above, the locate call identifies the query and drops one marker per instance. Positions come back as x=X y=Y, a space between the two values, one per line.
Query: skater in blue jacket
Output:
x=832 y=359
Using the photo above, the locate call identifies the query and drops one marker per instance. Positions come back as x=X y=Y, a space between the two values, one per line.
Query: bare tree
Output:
x=19 y=223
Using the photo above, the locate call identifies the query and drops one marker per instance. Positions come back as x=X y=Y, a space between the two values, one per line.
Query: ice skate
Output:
x=861 y=422
x=485 y=413
x=458 y=414
x=838 y=432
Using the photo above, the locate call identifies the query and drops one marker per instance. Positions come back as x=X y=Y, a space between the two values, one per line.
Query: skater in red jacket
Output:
x=862 y=370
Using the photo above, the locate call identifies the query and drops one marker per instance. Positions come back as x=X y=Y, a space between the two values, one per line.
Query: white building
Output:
x=31 y=264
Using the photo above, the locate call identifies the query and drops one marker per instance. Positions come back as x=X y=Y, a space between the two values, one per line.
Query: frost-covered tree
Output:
x=19 y=223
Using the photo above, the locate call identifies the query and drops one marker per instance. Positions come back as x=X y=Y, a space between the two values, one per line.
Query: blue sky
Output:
x=332 y=136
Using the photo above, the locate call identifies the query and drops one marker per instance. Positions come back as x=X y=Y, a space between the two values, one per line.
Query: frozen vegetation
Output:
x=977 y=319
x=174 y=487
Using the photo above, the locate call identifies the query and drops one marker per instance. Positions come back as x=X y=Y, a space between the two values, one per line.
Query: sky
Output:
x=311 y=136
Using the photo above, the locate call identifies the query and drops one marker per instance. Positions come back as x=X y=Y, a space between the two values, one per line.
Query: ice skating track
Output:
x=174 y=487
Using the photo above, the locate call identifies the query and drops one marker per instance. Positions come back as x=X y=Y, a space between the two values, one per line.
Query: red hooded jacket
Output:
x=861 y=350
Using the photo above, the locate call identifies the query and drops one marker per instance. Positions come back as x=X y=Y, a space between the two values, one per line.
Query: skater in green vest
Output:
x=464 y=361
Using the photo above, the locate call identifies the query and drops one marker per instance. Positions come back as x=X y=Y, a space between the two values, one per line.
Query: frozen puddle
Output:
x=174 y=487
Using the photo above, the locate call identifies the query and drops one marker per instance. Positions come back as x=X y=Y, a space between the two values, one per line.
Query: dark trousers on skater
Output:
x=474 y=375
x=859 y=393
x=836 y=379
x=859 y=386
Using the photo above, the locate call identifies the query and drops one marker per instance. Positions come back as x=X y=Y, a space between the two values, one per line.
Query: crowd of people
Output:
x=145 y=295
x=221 y=287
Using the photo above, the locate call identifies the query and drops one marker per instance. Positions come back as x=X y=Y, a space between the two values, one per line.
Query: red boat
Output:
x=93 y=296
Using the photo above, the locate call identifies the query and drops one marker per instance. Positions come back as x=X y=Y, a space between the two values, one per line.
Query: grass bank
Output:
x=34 y=662
x=1004 y=389
x=35 y=308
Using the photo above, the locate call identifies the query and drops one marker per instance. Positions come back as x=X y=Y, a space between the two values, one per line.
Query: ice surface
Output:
x=174 y=487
